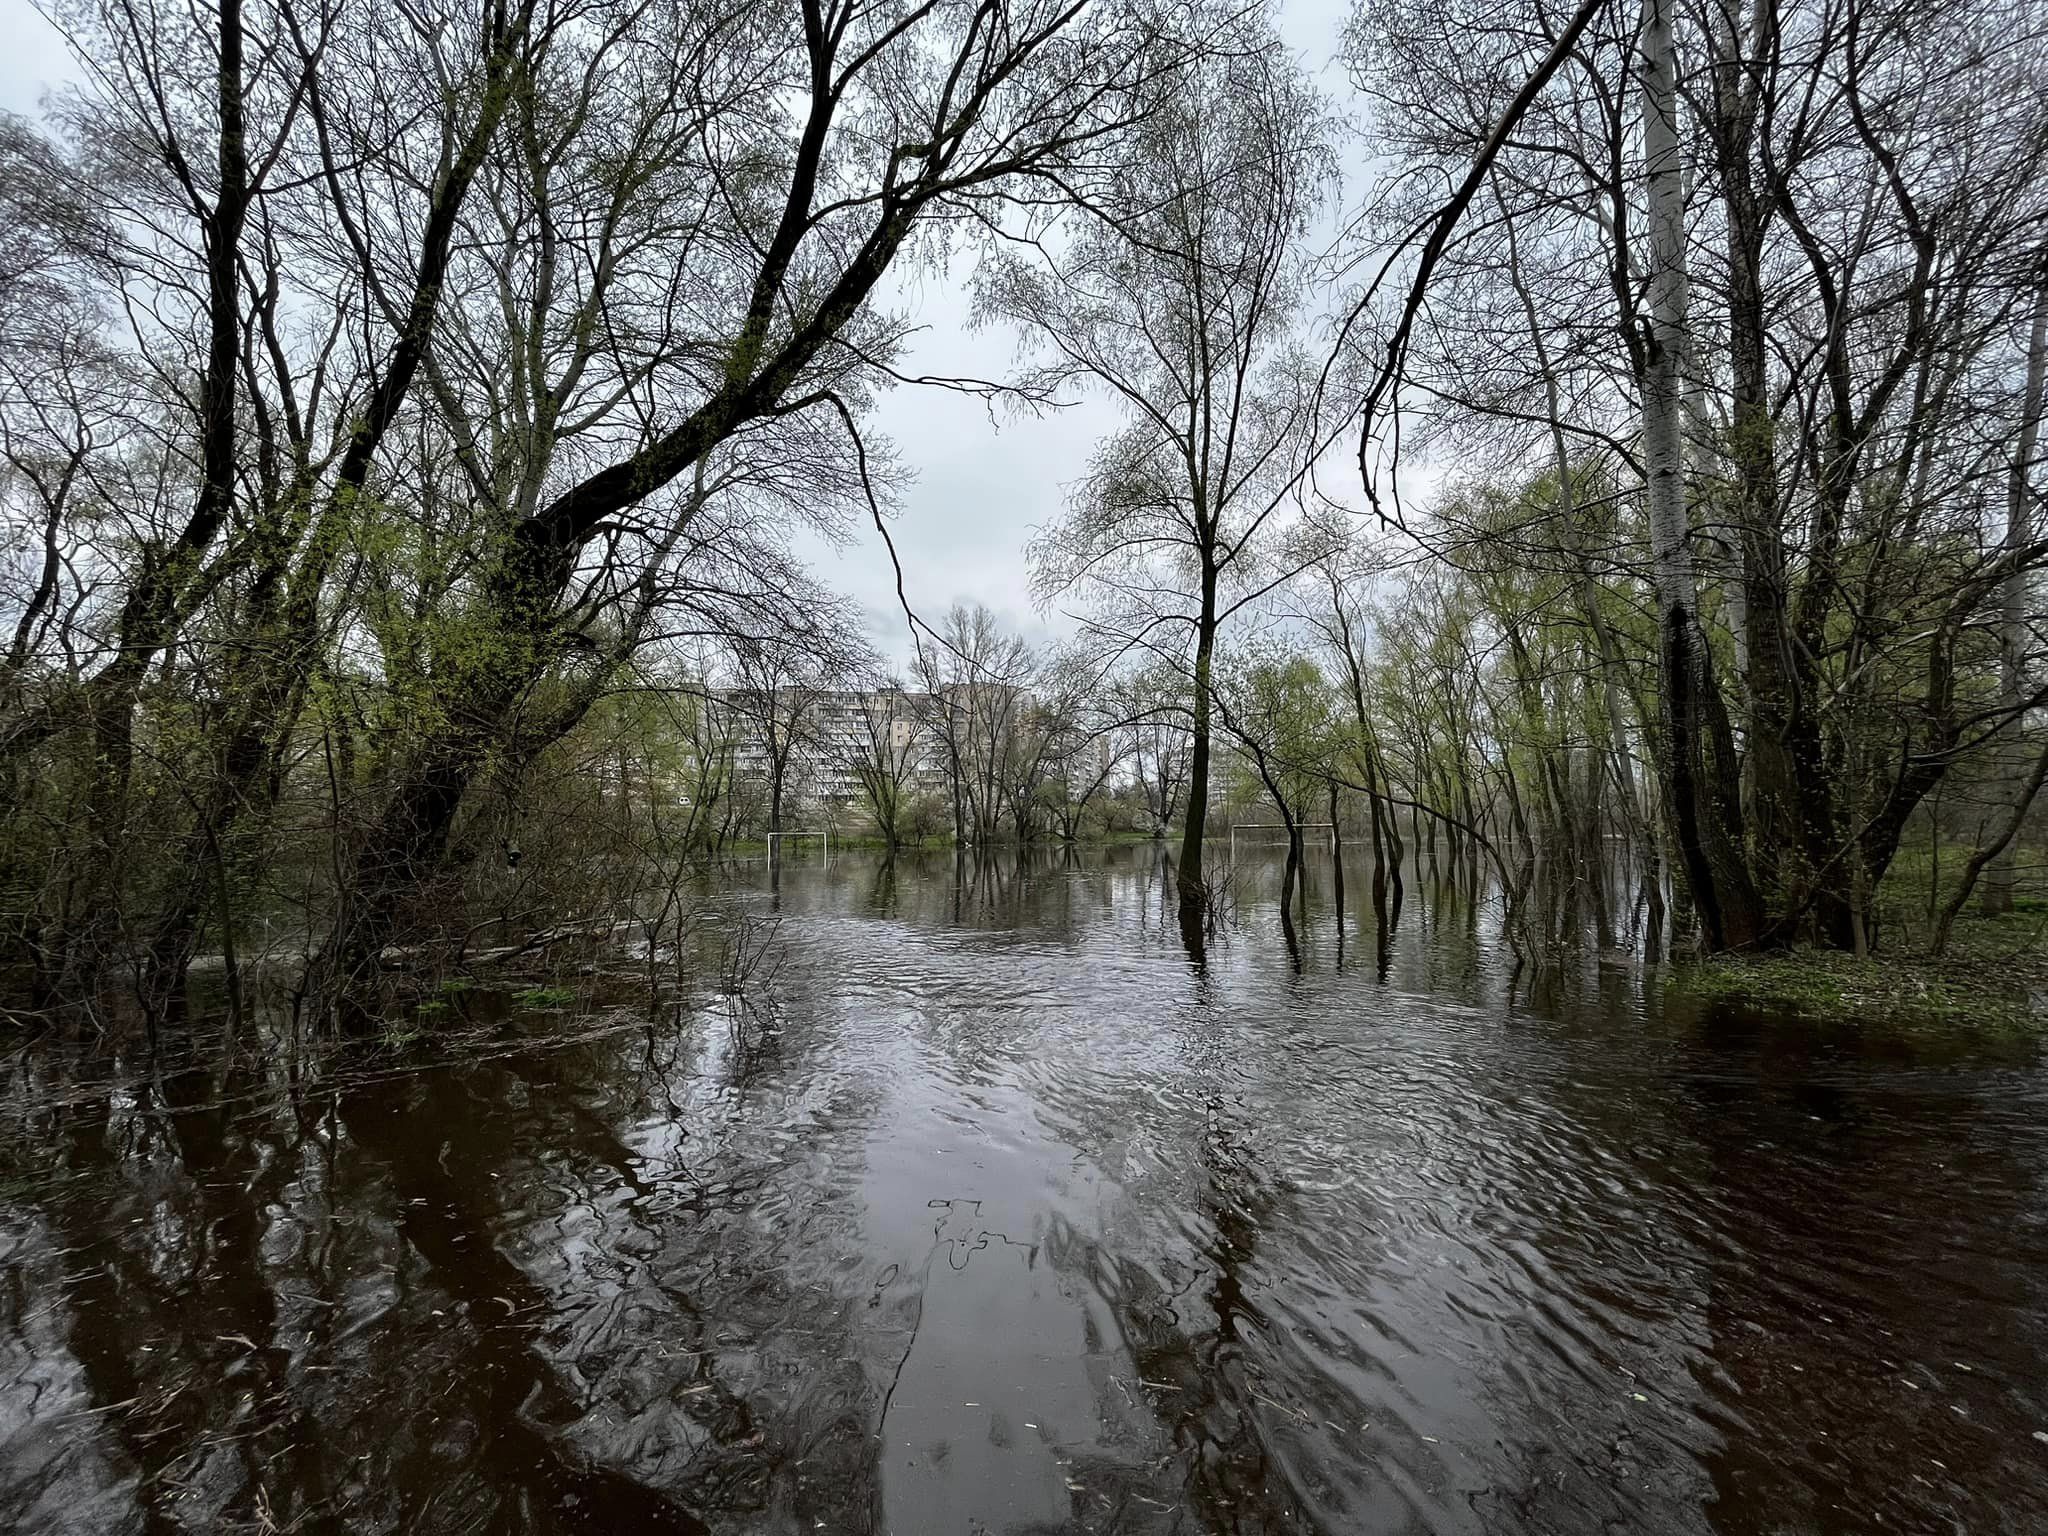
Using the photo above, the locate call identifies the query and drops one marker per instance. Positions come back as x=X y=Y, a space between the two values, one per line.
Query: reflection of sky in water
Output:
x=1006 y=1217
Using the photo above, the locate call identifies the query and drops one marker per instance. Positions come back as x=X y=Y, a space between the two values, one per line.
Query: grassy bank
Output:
x=1993 y=977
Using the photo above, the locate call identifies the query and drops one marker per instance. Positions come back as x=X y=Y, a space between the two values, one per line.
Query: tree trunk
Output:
x=1764 y=657
x=1702 y=786
x=1193 y=892
x=1999 y=874
x=154 y=607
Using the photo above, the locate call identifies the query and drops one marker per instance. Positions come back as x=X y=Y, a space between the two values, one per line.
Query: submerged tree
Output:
x=453 y=358
x=1177 y=293
x=977 y=680
x=1764 y=270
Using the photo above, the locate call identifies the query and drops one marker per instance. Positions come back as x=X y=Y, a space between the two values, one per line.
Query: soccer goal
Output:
x=1279 y=830
x=823 y=833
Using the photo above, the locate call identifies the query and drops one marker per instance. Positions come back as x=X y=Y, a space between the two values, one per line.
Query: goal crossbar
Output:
x=1278 y=826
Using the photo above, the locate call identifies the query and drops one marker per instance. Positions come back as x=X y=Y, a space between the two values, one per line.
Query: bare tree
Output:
x=887 y=754
x=976 y=680
x=1178 y=296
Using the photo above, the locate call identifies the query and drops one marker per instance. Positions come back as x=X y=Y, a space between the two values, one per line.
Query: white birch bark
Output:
x=1999 y=875
x=1663 y=445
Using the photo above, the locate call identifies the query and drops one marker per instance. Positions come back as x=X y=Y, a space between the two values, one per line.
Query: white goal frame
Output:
x=819 y=832
x=1277 y=826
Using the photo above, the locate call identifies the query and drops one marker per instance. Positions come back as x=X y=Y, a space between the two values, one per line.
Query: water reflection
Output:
x=1007 y=1217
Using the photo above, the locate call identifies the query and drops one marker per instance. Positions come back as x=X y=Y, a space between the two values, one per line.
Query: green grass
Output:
x=1994 y=978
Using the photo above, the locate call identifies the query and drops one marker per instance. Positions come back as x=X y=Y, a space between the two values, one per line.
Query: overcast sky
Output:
x=981 y=483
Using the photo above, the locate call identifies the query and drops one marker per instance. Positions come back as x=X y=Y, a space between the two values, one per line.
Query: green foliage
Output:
x=543 y=999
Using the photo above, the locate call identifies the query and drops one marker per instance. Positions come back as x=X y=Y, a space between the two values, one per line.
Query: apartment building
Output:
x=834 y=732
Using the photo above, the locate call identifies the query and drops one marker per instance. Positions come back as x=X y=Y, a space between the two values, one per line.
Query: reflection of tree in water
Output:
x=1848 y=1364
x=514 y=1404
x=634 y=1384
x=174 y=1317
x=882 y=896
x=1031 y=894
x=1193 y=1341
x=206 y=1322
x=289 y=1318
x=990 y=880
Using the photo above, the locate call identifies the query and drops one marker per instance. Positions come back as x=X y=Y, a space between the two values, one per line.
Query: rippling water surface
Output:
x=1009 y=1217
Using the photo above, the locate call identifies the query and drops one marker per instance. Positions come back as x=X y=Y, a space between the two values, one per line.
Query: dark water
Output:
x=1007 y=1219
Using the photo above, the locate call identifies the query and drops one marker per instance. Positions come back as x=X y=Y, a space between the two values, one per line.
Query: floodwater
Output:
x=998 y=1214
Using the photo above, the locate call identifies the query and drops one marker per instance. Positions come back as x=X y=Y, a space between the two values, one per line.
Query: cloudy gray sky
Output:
x=982 y=482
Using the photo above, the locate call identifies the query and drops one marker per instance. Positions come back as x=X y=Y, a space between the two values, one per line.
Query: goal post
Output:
x=822 y=833
x=1304 y=827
